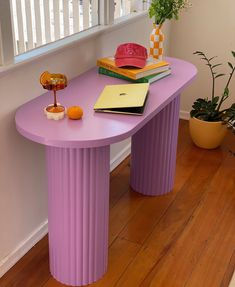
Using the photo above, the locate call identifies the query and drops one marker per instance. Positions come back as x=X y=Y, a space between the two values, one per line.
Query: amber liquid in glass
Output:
x=53 y=109
x=56 y=84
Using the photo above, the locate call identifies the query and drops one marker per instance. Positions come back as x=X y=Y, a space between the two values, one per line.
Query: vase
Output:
x=208 y=135
x=156 y=42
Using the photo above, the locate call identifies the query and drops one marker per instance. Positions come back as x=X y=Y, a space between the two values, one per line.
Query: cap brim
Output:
x=133 y=62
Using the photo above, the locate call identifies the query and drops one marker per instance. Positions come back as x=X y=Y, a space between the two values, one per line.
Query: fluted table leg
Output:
x=78 y=188
x=153 y=154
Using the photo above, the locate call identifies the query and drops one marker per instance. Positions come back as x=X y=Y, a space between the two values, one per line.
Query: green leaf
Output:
x=230 y=65
x=215 y=100
x=219 y=75
x=205 y=109
x=233 y=53
x=193 y=113
x=212 y=58
x=198 y=53
x=214 y=66
x=226 y=91
x=233 y=106
x=229 y=115
x=200 y=100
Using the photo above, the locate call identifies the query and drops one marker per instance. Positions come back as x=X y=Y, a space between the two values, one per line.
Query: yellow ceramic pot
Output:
x=205 y=134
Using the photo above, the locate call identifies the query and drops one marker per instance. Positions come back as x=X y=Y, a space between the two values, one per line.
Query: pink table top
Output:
x=97 y=129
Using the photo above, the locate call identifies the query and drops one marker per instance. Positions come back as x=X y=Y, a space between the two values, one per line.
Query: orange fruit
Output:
x=45 y=78
x=75 y=112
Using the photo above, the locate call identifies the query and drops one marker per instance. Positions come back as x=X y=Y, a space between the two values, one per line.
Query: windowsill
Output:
x=64 y=43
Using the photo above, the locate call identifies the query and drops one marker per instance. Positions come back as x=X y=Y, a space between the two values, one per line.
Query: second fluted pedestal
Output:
x=153 y=152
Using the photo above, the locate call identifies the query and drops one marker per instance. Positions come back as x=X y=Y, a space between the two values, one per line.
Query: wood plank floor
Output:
x=183 y=239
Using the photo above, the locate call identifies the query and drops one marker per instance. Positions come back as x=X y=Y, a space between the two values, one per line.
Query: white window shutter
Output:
x=6 y=35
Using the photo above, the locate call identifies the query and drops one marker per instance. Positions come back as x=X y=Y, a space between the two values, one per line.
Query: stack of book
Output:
x=154 y=70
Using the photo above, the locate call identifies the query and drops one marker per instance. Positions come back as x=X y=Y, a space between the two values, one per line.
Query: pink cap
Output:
x=131 y=54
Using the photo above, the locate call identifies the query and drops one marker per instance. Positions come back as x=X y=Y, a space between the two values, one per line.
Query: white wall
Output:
x=23 y=196
x=208 y=26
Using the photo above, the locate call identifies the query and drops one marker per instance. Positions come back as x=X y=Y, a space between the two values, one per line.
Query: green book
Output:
x=148 y=79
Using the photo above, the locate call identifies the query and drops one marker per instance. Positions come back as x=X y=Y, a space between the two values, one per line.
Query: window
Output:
x=122 y=8
x=28 y=24
x=38 y=22
x=125 y=7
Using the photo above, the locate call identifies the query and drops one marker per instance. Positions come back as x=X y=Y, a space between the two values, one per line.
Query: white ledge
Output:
x=64 y=43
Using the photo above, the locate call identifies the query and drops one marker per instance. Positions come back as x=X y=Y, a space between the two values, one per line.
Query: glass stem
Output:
x=55 y=101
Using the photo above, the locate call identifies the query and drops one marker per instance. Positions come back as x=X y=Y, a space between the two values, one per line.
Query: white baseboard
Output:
x=10 y=260
x=232 y=282
x=184 y=115
x=120 y=157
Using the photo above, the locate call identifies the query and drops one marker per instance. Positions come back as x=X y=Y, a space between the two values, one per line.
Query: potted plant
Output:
x=209 y=120
x=161 y=10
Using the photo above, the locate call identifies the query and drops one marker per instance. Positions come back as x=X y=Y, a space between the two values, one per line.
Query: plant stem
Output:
x=213 y=87
x=225 y=110
x=226 y=87
x=213 y=79
x=229 y=80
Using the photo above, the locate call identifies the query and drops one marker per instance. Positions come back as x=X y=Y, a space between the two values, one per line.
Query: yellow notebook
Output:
x=152 y=67
x=126 y=99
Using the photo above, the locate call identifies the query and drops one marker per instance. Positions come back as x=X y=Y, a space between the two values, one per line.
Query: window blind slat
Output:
x=56 y=12
x=117 y=12
x=94 y=12
x=66 y=17
x=28 y=13
x=126 y=7
x=21 y=41
x=46 y=9
x=86 y=14
x=76 y=9
x=38 y=22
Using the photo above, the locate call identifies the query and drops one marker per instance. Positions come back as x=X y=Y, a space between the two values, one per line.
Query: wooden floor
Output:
x=183 y=239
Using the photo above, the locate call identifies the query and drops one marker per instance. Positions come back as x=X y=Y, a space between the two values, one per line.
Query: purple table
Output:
x=77 y=154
